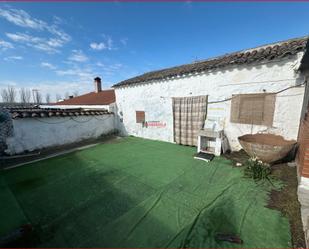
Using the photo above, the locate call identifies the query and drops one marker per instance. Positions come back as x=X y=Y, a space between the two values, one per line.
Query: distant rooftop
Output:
x=104 y=97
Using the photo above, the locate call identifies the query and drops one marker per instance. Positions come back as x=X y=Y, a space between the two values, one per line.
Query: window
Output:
x=255 y=109
x=140 y=116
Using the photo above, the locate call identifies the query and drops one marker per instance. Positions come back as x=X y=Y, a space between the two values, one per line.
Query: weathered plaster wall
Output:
x=31 y=134
x=156 y=99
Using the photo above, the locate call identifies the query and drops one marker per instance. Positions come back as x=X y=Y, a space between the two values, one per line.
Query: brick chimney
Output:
x=97 y=84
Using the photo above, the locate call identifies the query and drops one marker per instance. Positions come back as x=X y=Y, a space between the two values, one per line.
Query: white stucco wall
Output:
x=155 y=99
x=31 y=134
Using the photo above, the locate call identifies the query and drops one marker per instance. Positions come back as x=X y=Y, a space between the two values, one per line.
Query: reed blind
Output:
x=255 y=109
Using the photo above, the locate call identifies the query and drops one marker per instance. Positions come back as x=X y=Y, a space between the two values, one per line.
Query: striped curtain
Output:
x=189 y=115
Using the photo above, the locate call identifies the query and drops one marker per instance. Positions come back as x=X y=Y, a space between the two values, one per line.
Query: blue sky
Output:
x=61 y=47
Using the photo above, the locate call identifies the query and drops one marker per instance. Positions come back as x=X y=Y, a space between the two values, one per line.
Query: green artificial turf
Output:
x=139 y=193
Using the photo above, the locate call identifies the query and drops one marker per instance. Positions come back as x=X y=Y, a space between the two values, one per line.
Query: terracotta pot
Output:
x=266 y=147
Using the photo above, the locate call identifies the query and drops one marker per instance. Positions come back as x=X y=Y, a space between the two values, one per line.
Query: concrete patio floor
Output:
x=138 y=193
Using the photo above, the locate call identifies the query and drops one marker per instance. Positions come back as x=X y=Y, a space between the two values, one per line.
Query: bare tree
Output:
x=8 y=95
x=37 y=96
x=47 y=98
x=28 y=95
x=4 y=95
x=25 y=95
x=75 y=93
x=12 y=94
x=58 y=97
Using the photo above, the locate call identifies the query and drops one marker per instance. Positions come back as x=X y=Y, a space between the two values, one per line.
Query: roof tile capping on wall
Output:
x=36 y=128
x=17 y=113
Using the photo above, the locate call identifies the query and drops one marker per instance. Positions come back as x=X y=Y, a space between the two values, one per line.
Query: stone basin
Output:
x=266 y=147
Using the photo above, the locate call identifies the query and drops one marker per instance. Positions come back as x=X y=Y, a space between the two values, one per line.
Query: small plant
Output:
x=257 y=170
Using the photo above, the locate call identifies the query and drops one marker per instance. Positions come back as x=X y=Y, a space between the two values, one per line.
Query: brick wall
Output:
x=303 y=151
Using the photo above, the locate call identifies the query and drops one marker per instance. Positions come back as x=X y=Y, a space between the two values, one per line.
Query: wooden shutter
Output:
x=140 y=116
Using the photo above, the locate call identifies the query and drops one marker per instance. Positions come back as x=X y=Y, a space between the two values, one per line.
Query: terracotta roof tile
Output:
x=104 y=97
x=262 y=53
x=17 y=113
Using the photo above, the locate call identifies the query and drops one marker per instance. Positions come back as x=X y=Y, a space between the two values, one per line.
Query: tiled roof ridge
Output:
x=279 y=43
x=266 y=52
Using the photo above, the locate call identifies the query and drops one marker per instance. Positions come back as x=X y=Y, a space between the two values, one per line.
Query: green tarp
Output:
x=139 y=193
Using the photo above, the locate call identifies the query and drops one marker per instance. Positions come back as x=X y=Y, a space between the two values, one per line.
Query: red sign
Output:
x=154 y=124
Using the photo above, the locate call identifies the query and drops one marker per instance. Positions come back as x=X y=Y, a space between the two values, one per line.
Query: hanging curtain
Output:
x=189 y=115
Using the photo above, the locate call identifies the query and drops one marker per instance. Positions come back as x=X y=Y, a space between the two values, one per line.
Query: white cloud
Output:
x=61 y=87
x=18 y=37
x=48 y=65
x=4 y=45
x=48 y=45
x=23 y=19
x=114 y=66
x=64 y=37
x=88 y=71
x=110 y=43
x=100 y=64
x=98 y=46
x=124 y=41
x=58 y=20
x=107 y=44
x=78 y=73
x=109 y=69
x=13 y=58
x=78 y=56
x=51 y=87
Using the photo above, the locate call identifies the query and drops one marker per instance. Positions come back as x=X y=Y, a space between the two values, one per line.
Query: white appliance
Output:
x=211 y=137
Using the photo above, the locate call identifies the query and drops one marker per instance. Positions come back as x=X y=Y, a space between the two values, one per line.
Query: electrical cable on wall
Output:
x=285 y=89
x=228 y=99
x=61 y=122
x=71 y=118
x=100 y=118
x=85 y=121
